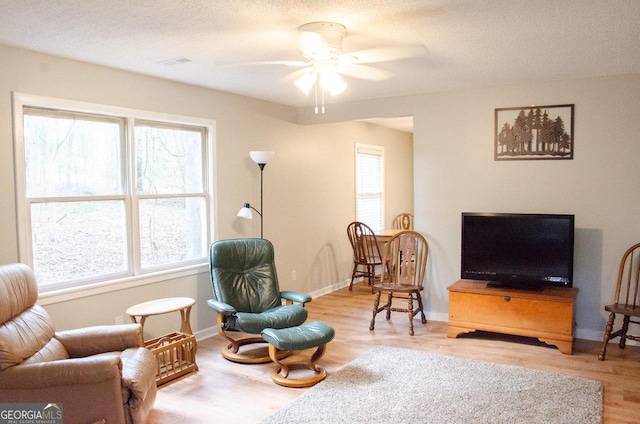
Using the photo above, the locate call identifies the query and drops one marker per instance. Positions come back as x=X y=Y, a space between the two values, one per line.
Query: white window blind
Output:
x=370 y=185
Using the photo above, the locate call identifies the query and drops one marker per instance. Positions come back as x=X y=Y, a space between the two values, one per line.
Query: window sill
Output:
x=71 y=293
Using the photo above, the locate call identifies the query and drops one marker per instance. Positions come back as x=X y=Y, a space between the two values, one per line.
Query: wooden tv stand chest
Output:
x=547 y=314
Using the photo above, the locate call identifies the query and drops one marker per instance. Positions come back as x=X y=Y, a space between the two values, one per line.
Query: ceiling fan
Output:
x=325 y=61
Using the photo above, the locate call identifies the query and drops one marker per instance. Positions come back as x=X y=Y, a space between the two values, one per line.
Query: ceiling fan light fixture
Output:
x=306 y=82
x=330 y=81
x=338 y=87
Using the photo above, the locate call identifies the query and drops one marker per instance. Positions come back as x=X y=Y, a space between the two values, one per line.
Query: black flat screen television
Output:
x=521 y=251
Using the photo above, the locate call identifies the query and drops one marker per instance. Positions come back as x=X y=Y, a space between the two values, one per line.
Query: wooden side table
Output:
x=175 y=352
x=141 y=311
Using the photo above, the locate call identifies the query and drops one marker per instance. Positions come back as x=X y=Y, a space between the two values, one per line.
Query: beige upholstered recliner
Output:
x=98 y=374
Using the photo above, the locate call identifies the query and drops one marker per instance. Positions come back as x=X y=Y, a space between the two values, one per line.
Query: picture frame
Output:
x=534 y=132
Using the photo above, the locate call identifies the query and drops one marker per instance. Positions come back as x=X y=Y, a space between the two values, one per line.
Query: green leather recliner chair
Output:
x=247 y=297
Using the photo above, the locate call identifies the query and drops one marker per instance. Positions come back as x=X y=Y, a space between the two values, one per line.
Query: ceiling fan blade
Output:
x=295 y=75
x=385 y=54
x=364 y=72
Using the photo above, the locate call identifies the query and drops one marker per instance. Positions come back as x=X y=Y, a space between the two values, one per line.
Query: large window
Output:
x=104 y=196
x=370 y=185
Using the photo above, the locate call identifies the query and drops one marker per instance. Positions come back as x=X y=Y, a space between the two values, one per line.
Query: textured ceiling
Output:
x=470 y=43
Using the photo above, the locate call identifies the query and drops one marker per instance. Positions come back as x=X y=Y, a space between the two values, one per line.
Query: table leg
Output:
x=135 y=320
x=185 y=326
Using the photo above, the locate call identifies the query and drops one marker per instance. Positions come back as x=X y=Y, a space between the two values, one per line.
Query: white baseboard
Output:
x=206 y=333
x=330 y=289
x=589 y=334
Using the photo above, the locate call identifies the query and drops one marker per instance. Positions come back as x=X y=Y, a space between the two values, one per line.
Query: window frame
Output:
x=134 y=276
x=373 y=150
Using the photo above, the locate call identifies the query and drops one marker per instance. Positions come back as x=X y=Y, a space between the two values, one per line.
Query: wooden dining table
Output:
x=384 y=236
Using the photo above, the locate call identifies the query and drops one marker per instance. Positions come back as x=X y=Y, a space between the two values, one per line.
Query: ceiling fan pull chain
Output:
x=315 y=86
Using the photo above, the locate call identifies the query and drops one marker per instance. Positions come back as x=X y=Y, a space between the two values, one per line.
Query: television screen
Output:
x=525 y=251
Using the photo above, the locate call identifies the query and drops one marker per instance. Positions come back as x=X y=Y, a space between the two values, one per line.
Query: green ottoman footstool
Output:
x=315 y=334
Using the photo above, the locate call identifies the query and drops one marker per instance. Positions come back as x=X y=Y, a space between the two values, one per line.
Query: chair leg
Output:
x=420 y=305
x=353 y=275
x=312 y=365
x=371 y=273
x=607 y=336
x=376 y=303
x=389 y=300
x=410 y=309
x=281 y=367
x=623 y=331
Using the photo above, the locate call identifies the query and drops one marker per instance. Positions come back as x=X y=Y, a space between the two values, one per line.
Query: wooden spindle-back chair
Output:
x=366 y=252
x=626 y=300
x=403 y=221
x=405 y=263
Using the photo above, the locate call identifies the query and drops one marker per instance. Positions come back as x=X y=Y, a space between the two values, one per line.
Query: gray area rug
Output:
x=387 y=385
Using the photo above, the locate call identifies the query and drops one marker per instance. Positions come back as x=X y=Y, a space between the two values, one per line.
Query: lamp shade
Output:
x=245 y=212
x=261 y=156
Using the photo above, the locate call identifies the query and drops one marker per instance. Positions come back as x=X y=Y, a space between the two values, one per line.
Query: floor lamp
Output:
x=261 y=158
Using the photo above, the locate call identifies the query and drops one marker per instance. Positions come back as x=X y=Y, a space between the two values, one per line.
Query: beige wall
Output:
x=308 y=190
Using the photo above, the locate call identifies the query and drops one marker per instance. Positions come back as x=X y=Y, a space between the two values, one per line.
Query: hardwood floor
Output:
x=224 y=391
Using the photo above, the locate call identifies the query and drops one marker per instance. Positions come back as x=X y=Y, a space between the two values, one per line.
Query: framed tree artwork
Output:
x=534 y=132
